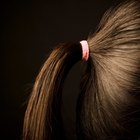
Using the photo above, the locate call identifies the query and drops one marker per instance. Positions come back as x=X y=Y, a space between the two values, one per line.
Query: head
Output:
x=109 y=101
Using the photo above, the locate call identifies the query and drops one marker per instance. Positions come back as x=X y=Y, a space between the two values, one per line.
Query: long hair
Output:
x=108 y=106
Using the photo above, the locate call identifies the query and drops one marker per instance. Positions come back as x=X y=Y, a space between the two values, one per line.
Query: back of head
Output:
x=108 y=105
x=110 y=98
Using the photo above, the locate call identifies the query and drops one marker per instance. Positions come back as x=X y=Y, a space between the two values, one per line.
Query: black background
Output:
x=30 y=29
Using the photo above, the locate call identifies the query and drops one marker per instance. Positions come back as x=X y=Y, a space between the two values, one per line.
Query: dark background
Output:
x=30 y=29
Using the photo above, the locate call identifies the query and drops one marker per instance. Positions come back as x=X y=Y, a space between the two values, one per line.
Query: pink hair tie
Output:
x=85 y=50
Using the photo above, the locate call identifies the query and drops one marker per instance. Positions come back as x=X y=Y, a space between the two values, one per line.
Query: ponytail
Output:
x=43 y=115
x=109 y=101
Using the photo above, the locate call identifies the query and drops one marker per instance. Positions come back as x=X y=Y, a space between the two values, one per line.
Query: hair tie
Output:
x=85 y=50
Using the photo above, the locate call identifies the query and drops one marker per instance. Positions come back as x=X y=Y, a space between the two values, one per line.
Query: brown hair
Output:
x=108 y=106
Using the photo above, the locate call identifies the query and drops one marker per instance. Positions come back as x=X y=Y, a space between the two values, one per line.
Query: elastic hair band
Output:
x=85 y=50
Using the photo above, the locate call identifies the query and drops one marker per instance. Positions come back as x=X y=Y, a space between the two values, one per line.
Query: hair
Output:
x=108 y=106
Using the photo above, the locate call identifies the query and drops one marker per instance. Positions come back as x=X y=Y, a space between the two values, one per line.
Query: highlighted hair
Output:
x=108 y=106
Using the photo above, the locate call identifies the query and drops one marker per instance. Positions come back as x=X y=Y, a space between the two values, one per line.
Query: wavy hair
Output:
x=108 y=106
